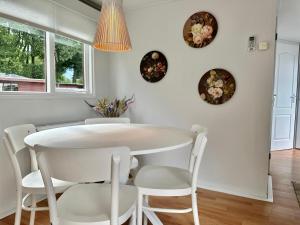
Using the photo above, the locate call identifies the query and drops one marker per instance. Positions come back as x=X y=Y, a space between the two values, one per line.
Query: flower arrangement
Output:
x=111 y=108
x=201 y=33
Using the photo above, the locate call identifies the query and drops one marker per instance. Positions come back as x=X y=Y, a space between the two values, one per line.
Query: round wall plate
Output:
x=154 y=66
x=217 y=86
x=200 y=29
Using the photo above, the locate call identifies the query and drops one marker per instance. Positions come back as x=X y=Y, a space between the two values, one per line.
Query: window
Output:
x=22 y=51
x=9 y=87
x=69 y=63
x=32 y=60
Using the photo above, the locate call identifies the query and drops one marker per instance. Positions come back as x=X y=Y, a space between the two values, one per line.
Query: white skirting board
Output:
x=12 y=209
x=7 y=212
x=240 y=194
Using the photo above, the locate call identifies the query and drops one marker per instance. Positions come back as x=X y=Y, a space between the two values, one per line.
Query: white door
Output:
x=285 y=94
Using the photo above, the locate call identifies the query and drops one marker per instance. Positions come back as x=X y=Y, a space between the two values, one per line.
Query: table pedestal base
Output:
x=152 y=217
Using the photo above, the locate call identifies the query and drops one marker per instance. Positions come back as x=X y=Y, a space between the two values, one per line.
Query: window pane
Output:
x=69 y=63
x=22 y=50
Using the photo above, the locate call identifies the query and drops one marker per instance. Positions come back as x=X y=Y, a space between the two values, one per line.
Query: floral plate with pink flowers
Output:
x=154 y=66
x=217 y=86
x=200 y=29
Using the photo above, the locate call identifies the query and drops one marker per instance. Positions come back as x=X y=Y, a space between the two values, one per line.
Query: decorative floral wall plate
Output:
x=200 y=29
x=154 y=66
x=217 y=86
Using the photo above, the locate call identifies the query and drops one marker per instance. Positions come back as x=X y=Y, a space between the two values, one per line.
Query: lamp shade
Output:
x=112 y=34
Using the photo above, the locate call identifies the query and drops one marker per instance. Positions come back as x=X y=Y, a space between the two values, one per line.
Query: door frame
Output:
x=297 y=94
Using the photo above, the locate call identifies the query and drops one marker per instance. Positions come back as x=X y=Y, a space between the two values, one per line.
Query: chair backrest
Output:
x=16 y=135
x=107 y=120
x=83 y=165
x=197 y=152
x=197 y=129
x=14 y=142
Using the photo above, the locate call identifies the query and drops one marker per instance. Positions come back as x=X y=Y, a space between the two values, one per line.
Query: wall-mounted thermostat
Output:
x=252 y=44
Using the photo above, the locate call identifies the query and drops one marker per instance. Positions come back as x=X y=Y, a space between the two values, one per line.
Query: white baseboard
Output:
x=6 y=212
x=270 y=189
x=11 y=210
x=268 y=198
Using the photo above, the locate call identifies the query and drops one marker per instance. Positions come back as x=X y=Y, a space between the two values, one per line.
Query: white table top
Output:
x=140 y=138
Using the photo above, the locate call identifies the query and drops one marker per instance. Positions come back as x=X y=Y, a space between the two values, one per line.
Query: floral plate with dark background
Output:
x=217 y=86
x=154 y=66
x=200 y=29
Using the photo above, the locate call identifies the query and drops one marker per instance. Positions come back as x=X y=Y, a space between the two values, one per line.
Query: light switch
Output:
x=263 y=46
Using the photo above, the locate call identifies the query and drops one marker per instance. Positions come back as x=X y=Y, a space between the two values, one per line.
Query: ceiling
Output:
x=128 y=4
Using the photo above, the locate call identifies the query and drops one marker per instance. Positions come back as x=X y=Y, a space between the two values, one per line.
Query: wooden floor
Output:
x=221 y=209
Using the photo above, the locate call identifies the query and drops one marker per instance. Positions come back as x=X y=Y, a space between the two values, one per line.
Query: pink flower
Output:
x=207 y=31
x=197 y=39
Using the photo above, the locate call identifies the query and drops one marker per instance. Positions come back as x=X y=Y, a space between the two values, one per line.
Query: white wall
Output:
x=236 y=160
x=236 y=157
x=289 y=20
x=40 y=111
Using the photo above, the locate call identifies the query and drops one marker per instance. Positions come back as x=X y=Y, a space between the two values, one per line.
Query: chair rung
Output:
x=161 y=210
x=32 y=208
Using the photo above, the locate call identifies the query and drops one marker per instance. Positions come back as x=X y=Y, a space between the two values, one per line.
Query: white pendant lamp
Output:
x=112 y=34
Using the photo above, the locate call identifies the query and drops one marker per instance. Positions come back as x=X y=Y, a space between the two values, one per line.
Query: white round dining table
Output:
x=140 y=138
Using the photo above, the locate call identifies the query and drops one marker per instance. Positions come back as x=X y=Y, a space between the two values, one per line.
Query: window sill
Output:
x=45 y=95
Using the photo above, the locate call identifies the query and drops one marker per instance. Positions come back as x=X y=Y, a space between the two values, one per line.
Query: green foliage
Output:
x=22 y=50
x=69 y=55
x=21 y=53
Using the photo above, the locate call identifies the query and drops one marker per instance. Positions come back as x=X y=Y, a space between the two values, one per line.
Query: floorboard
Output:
x=222 y=209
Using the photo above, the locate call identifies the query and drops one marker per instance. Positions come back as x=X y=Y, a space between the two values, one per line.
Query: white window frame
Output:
x=50 y=75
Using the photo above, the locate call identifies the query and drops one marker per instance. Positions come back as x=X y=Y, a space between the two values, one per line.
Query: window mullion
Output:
x=50 y=59
x=88 y=68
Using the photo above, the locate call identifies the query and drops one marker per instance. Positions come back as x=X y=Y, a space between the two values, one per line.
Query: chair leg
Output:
x=32 y=213
x=140 y=208
x=19 y=208
x=146 y=203
x=195 y=209
x=133 y=218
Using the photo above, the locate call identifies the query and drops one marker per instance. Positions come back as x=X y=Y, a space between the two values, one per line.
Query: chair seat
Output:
x=33 y=183
x=91 y=203
x=164 y=180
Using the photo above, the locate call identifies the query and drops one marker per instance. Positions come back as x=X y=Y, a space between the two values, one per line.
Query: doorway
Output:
x=285 y=96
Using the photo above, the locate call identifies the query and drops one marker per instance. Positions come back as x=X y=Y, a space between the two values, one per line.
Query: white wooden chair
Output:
x=86 y=202
x=32 y=184
x=134 y=161
x=171 y=181
x=107 y=120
